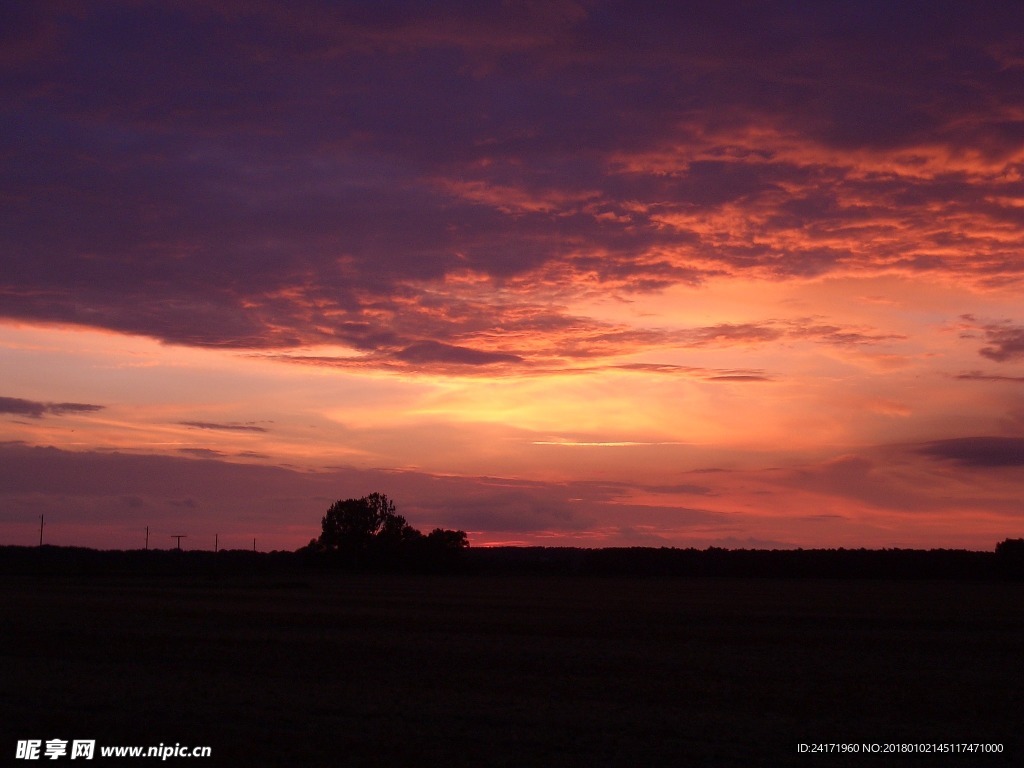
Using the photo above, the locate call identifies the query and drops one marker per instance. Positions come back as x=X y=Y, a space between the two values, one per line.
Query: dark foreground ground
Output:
x=512 y=670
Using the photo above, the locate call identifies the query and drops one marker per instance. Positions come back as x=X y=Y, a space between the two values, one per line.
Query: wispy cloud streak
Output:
x=231 y=427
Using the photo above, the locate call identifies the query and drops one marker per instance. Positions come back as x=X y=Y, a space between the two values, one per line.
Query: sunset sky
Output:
x=586 y=274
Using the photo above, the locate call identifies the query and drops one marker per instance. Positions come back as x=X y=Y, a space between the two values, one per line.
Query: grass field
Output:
x=514 y=671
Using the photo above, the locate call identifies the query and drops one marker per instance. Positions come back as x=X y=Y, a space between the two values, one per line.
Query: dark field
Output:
x=513 y=671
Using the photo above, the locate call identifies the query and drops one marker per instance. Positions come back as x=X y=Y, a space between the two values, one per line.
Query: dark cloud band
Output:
x=36 y=410
x=252 y=179
x=979 y=451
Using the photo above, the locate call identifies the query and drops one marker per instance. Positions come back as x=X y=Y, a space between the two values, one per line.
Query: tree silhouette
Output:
x=1010 y=557
x=369 y=532
x=444 y=539
x=363 y=529
x=441 y=550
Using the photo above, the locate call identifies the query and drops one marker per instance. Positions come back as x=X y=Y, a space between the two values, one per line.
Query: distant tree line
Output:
x=387 y=542
x=368 y=534
x=668 y=562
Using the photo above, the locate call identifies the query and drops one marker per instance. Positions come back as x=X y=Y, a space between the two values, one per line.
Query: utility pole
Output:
x=179 y=537
x=253 y=543
x=147 y=538
x=40 y=530
x=216 y=539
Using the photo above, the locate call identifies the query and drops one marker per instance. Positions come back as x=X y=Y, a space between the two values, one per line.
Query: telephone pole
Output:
x=40 y=530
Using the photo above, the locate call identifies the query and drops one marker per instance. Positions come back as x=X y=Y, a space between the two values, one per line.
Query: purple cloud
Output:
x=231 y=426
x=36 y=410
x=980 y=376
x=260 y=179
x=1006 y=342
x=202 y=453
x=978 y=451
x=435 y=352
